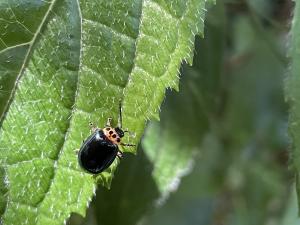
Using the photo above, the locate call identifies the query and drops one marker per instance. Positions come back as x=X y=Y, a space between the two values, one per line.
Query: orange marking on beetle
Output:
x=112 y=135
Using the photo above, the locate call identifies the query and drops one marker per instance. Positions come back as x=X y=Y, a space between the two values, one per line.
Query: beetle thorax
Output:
x=112 y=135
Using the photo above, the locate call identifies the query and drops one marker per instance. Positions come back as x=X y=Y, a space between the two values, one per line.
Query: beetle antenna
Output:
x=92 y=127
x=120 y=115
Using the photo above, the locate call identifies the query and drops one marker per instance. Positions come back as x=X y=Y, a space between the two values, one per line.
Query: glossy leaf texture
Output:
x=292 y=92
x=72 y=62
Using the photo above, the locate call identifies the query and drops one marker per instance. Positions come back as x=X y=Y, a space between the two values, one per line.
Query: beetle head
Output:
x=119 y=131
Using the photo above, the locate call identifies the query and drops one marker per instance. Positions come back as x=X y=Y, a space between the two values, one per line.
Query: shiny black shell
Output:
x=97 y=153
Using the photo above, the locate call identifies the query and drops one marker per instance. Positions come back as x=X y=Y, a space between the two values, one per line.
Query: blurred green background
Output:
x=220 y=154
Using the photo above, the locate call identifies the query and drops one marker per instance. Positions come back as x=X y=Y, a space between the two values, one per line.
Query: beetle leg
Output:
x=92 y=127
x=132 y=134
x=120 y=115
x=124 y=144
x=120 y=154
x=108 y=123
x=126 y=130
x=76 y=151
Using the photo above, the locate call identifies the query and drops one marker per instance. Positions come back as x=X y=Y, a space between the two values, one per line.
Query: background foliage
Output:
x=218 y=155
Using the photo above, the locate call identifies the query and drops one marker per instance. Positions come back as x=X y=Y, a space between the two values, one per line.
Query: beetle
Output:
x=101 y=148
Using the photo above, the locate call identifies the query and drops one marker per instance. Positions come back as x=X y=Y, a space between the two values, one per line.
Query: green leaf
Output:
x=292 y=92
x=170 y=157
x=76 y=70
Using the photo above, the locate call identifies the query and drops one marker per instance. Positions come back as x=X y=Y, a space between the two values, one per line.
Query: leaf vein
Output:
x=115 y=32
